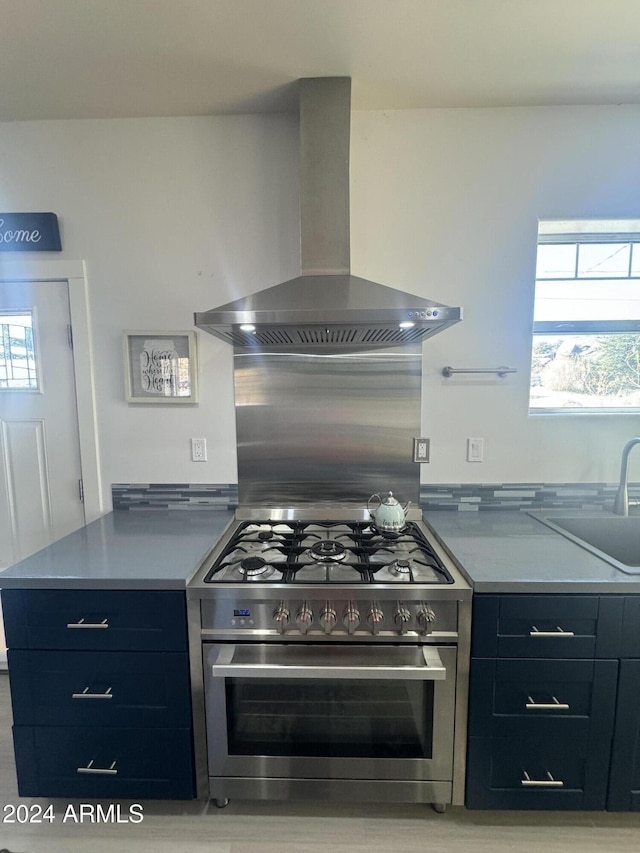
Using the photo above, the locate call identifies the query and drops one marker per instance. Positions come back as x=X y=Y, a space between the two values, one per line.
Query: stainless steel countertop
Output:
x=135 y=549
x=510 y=551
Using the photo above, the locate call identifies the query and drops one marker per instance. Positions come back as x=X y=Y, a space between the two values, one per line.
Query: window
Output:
x=586 y=329
x=17 y=353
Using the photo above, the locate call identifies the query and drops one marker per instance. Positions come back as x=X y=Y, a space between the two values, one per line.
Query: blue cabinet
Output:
x=546 y=626
x=542 y=700
x=98 y=620
x=142 y=689
x=624 y=788
x=100 y=692
x=561 y=699
x=537 y=773
x=63 y=761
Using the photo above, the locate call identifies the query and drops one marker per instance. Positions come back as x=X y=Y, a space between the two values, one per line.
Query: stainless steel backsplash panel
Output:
x=327 y=427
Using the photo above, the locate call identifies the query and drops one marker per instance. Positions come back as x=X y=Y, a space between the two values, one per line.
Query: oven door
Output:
x=330 y=712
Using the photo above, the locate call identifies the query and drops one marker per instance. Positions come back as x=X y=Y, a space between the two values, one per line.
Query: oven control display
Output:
x=242 y=612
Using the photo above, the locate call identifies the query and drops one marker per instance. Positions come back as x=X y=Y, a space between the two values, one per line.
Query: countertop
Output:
x=136 y=549
x=500 y=552
x=511 y=551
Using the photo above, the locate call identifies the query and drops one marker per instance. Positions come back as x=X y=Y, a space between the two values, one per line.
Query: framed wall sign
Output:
x=160 y=367
x=29 y=232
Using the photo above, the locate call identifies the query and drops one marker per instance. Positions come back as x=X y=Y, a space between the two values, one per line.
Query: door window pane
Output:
x=18 y=371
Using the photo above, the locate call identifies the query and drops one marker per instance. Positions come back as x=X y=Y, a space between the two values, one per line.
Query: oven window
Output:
x=338 y=719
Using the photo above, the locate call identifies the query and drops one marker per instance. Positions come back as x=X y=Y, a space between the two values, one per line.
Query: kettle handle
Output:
x=369 y=501
x=406 y=507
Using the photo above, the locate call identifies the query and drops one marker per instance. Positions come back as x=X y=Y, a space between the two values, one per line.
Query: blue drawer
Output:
x=513 y=697
x=546 y=626
x=125 y=689
x=104 y=763
x=536 y=773
x=94 y=620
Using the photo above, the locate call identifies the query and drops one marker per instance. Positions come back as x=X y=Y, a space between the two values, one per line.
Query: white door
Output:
x=39 y=447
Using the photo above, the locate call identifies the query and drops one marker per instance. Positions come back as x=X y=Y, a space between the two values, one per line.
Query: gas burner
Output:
x=249 y=558
x=400 y=567
x=328 y=551
x=388 y=539
x=252 y=566
x=265 y=534
x=389 y=534
x=414 y=569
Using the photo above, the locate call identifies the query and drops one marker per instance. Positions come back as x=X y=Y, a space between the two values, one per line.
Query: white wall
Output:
x=178 y=215
x=446 y=204
x=172 y=216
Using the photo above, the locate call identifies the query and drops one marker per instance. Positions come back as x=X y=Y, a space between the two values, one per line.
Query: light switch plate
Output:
x=421 y=449
x=475 y=449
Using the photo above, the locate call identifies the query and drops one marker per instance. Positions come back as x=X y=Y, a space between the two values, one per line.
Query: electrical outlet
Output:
x=421 y=448
x=475 y=449
x=198 y=449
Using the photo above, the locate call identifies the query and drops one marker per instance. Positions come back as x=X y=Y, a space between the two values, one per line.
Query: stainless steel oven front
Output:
x=325 y=717
x=340 y=680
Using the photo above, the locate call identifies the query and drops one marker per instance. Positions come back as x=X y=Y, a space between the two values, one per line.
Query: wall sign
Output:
x=160 y=367
x=29 y=232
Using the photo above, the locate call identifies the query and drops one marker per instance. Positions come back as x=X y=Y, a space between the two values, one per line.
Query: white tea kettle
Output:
x=389 y=514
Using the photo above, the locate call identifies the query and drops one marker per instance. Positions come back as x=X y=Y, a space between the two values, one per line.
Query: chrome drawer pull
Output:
x=86 y=695
x=534 y=632
x=549 y=782
x=83 y=624
x=109 y=771
x=546 y=706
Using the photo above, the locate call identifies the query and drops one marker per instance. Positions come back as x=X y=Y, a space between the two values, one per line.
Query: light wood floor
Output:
x=272 y=827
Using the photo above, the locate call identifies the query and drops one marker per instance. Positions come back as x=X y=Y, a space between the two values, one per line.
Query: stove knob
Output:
x=351 y=618
x=304 y=618
x=281 y=617
x=401 y=617
x=425 y=618
x=328 y=618
x=375 y=618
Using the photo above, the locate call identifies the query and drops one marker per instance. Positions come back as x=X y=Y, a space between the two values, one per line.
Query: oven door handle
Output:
x=433 y=669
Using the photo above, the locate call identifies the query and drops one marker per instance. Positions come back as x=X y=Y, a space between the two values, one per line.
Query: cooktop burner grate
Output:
x=326 y=552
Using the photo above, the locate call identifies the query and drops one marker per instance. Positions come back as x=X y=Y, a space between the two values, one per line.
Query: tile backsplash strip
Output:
x=463 y=497
x=473 y=497
x=182 y=496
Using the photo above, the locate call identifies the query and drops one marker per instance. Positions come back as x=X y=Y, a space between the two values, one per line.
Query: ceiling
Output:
x=63 y=59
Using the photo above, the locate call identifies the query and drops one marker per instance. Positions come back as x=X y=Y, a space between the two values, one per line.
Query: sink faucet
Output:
x=621 y=503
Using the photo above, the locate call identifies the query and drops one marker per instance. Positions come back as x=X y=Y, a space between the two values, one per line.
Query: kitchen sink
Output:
x=614 y=538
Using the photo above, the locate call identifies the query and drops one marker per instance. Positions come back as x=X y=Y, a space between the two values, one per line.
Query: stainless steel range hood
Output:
x=326 y=305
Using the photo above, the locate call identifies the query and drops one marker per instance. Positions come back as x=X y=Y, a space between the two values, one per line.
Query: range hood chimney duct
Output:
x=326 y=306
x=325 y=130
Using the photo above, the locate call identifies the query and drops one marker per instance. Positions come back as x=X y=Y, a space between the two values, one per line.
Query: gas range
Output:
x=300 y=616
x=312 y=578
x=327 y=552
